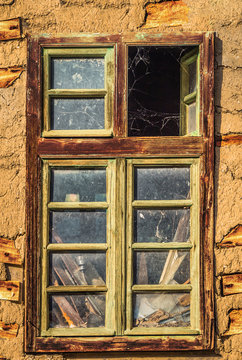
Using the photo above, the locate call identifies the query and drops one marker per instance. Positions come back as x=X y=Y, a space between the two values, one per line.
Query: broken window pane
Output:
x=164 y=183
x=77 y=268
x=77 y=73
x=154 y=90
x=77 y=310
x=163 y=309
x=77 y=114
x=78 y=185
x=78 y=226
x=162 y=225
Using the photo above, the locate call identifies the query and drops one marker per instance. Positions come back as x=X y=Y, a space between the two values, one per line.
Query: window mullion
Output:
x=195 y=250
x=119 y=239
x=110 y=253
x=45 y=233
x=129 y=240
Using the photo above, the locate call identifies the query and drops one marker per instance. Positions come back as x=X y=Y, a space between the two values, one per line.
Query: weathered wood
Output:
x=207 y=191
x=10 y=29
x=232 y=284
x=171 y=13
x=116 y=344
x=235 y=322
x=8 y=253
x=187 y=146
x=8 y=331
x=120 y=123
x=233 y=238
x=120 y=147
x=9 y=75
x=230 y=139
x=9 y=290
x=32 y=187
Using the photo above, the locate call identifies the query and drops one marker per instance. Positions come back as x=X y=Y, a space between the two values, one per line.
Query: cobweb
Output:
x=147 y=114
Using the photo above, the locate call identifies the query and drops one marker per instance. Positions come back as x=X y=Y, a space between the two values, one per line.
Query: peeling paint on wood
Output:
x=235 y=322
x=9 y=290
x=9 y=75
x=233 y=238
x=8 y=331
x=8 y=253
x=230 y=139
x=10 y=29
x=56 y=345
x=172 y=13
x=232 y=284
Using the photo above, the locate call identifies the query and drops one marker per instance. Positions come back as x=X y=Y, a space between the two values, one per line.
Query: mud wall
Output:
x=113 y=16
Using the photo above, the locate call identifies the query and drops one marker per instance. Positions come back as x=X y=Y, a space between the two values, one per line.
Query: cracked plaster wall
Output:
x=113 y=16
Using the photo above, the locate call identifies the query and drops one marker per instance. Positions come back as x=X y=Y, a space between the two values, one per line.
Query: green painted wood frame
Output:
x=107 y=53
x=187 y=98
x=108 y=247
x=193 y=245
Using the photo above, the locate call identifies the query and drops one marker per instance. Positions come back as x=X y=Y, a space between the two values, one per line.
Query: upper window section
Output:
x=78 y=91
x=163 y=86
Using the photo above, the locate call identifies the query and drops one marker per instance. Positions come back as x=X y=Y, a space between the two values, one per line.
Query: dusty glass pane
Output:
x=77 y=268
x=191 y=114
x=78 y=185
x=192 y=69
x=77 y=310
x=162 y=225
x=78 y=226
x=77 y=114
x=77 y=73
x=163 y=309
x=161 y=267
x=161 y=183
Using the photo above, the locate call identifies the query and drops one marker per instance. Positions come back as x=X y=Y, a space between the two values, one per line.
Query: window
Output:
x=120 y=193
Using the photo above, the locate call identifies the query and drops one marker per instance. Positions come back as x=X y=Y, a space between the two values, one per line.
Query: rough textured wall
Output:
x=113 y=16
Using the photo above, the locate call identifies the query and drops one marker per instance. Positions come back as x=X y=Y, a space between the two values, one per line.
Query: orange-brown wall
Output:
x=70 y=17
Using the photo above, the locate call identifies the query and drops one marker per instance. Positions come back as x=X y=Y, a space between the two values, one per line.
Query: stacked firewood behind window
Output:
x=162 y=267
x=77 y=310
x=151 y=267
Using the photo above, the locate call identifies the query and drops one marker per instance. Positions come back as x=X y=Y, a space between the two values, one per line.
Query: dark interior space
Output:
x=154 y=90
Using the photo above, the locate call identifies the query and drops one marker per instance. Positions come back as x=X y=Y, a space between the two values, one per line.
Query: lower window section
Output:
x=106 y=274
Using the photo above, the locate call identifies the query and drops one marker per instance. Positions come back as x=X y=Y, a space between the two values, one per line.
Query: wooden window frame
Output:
x=106 y=93
x=119 y=146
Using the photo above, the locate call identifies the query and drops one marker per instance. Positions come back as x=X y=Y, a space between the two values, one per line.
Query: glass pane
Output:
x=163 y=309
x=77 y=114
x=191 y=114
x=192 y=69
x=77 y=268
x=77 y=73
x=161 y=267
x=78 y=226
x=162 y=225
x=77 y=310
x=78 y=185
x=154 y=90
x=164 y=183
